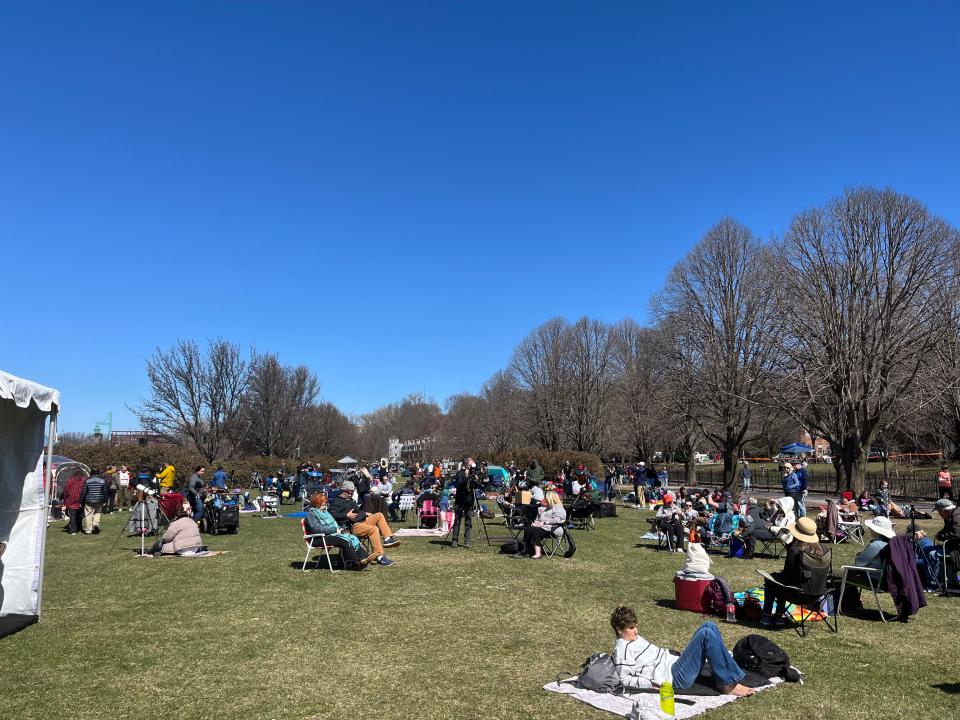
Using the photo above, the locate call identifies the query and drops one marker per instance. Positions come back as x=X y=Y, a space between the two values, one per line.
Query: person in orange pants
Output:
x=345 y=511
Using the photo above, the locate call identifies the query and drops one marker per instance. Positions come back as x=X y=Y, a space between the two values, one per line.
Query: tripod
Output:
x=140 y=510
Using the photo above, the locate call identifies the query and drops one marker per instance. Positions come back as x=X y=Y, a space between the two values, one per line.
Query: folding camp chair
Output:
x=811 y=595
x=581 y=515
x=852 y=531
x=308 y=539
x=426 y=511
x=949 y=583
x=562 y=544
x=864 y=578
x=663 y=540
x=405 y=504
x=773 y=547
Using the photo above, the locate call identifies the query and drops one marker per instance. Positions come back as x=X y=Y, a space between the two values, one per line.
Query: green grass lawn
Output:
x=442 y=634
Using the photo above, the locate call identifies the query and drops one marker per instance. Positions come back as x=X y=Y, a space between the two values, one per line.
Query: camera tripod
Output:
x=140 y=508
x=482 y=533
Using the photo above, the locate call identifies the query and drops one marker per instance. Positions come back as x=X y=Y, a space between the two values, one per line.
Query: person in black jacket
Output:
x=361 y=523
x=805 y=540
x=466 y=484
x=92 y=497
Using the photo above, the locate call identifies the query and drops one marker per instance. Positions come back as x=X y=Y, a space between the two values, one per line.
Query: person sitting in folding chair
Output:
x=935 y=555
x=319 y=521
x=805 y=542
x=755 y=525
x=670 y=522
x=551 y=518
x=345 y=510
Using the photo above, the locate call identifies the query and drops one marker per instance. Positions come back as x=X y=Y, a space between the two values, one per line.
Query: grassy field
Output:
x=442 y=634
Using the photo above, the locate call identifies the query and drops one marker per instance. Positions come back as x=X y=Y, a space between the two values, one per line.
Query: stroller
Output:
x=269 y=504
x=222 y=514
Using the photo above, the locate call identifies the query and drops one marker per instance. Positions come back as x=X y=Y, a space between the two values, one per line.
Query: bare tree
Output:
x=539 y=368
x=197 y=396
x=588 y=358
x=867 y=287
x=276 y=405
x=504 y=425
x=720 y=315
x=638 y=408
x=327 y=431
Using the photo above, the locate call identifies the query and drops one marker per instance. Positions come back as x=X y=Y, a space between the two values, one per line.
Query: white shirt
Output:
x=575 y=487
x=123 y=479
x=536 y=493
x=642 y=664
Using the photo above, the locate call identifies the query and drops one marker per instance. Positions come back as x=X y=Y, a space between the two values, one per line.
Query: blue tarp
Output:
x=796 y=449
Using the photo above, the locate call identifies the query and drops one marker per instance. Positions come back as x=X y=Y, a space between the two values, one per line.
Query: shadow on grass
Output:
x=949 y=688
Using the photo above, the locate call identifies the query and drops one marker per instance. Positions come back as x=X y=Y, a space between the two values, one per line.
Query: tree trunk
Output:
x=729 y=466
x=855 y=464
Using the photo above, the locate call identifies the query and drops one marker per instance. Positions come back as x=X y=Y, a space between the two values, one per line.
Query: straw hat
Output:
x=805 y=530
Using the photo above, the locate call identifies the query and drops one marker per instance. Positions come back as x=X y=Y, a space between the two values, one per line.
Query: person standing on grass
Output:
x=123 y=488
x=165 y=478
x=71 y=502
x=791 y=484
x=804 y=478
x=642 y=665
x=745 y=477
x=463 y=504
x=945 y=482
x=92 y=497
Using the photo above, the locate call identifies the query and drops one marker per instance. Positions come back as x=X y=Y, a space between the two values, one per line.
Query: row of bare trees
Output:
x=847 y=326
x=225 y=405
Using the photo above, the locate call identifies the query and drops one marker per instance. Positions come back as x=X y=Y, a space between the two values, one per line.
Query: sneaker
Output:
x=384 y=560
x=391 y=541
x=96 y=530
x=466 y=546
x=368 y=559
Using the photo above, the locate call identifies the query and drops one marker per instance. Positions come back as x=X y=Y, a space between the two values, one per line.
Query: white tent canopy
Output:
x=24 y=408
x=347 y=461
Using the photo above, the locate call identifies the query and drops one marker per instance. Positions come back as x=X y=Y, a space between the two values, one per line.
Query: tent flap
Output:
x=22 y=392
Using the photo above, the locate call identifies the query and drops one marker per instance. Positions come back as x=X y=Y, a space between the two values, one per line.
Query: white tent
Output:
x=347 y=461
x=24 y=408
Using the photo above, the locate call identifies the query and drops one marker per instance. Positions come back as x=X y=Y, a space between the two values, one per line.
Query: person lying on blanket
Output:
x=642 y=664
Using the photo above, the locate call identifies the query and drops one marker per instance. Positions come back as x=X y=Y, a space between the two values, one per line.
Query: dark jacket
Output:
x=903 y=580
x=94 y=491
x=342 y=504
x=466 y=497
x=951 y=527
x=792 y=573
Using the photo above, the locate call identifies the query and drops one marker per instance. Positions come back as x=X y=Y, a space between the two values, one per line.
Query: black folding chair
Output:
x=810 y=596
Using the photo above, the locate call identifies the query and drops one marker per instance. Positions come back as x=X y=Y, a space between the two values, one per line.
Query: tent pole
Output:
x=45 y=510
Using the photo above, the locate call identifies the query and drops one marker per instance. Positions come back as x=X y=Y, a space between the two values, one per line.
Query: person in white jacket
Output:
x=642 y=665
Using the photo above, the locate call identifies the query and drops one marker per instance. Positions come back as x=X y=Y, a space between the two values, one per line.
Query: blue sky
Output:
x=394 y=194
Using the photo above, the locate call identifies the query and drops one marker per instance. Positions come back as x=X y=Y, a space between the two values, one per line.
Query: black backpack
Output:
x=759 y=654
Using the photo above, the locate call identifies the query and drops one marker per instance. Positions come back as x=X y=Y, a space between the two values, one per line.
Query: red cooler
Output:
x=690 y=594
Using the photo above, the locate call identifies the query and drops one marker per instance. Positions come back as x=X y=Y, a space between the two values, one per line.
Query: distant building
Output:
x=143 y=438
x=820 y=446
x=419 y=450
x=394 y=450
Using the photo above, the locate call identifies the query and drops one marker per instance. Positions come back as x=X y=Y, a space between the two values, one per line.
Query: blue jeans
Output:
x=706 y=644
x=933 y=555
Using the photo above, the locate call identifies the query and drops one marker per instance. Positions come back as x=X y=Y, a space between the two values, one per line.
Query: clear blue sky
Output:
x=335 y=181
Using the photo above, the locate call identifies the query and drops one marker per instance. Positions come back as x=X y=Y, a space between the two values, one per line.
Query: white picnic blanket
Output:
x=649 y=702
x=419 y=532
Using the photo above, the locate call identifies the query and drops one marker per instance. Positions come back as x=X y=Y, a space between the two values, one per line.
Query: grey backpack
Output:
x=599 y=673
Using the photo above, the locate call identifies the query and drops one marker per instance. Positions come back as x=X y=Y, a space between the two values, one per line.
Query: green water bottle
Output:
x=666 y=698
